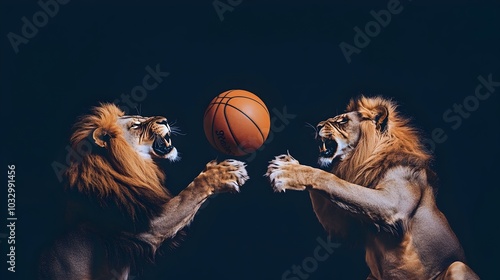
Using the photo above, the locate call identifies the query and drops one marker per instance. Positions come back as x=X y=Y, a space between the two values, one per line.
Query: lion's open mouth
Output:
x=162 y=145
x=327 y=148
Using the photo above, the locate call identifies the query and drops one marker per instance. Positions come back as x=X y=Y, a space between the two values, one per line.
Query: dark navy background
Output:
x=428 y=58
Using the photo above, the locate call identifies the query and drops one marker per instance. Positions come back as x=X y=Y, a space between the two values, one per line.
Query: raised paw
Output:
x=226 y=176
x=282 y=173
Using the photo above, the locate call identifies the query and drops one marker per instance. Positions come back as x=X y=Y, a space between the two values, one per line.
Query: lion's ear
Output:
x=101 y=137
x=380 y=119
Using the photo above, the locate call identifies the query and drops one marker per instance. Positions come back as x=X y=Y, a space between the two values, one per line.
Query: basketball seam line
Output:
x=242 y=96
x=248 y=117
x=229 y=126
x=213 y=119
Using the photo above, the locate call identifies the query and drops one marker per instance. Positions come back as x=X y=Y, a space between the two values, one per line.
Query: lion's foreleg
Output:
x=393 y=199
x=226 y=176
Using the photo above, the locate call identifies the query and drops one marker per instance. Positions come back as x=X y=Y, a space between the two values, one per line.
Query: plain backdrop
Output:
x=427 y=58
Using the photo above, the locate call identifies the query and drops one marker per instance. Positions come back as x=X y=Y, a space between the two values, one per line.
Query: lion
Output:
x=121 y=212
x=379 y=192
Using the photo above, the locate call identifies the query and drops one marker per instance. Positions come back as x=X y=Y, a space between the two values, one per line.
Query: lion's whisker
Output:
x=313 y=127
x=138 y=109
x=175 y=130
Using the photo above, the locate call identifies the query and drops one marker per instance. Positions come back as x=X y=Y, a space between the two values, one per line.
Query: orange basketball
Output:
x=236 y=122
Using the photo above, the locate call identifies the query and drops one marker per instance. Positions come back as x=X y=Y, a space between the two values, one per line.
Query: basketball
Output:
x=236 y=122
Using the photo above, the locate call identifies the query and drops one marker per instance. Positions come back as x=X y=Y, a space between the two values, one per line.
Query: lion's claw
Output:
x=227 y=176
x=279 y=171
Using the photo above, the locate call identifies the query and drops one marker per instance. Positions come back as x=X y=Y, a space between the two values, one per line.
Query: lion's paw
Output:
x=230 y=175
x=280 y=172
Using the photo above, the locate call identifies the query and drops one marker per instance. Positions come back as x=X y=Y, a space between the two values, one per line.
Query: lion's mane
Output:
x=396 y=143
x=115 y=186
x=381 y=147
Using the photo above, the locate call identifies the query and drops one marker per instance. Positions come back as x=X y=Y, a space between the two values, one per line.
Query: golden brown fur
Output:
x=118 y=173
x=378 y=149
x=378 y=193
x=120 y=212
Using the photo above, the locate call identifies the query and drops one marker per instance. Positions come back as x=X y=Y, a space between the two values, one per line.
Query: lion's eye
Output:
x=135 y=125
x=344 y=120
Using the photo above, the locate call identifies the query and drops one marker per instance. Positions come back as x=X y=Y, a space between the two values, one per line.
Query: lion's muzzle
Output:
x=162 y=143
x=327 y=144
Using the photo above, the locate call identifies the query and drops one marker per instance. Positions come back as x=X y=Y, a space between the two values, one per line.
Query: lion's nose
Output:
x=163 y=122
x=320 y=125
x=318 y=129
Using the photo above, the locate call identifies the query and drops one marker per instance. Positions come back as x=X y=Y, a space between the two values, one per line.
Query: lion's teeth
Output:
x=321 y=147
